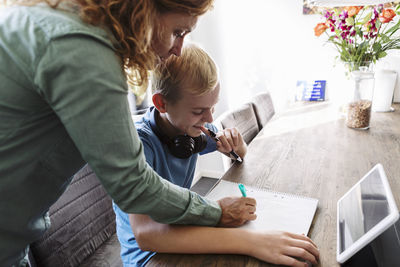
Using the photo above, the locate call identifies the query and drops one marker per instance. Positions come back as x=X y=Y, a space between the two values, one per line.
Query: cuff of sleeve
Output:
x=212 y=211
x=176 y=205
x=200 y=211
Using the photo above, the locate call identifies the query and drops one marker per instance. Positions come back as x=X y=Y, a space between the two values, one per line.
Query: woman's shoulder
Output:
x=55 y=23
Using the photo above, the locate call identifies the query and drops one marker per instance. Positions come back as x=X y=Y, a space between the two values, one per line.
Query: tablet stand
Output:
x=383 y=251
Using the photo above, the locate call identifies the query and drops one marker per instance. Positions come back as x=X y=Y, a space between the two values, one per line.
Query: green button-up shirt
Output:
x=63 y=102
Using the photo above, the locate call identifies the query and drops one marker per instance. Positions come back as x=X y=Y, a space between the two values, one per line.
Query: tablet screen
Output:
x=362 y=209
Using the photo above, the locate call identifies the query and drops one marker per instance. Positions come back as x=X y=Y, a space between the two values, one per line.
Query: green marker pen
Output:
x=243 y=190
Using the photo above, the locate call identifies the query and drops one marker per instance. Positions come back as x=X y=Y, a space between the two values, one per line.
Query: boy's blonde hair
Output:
x=194 y=71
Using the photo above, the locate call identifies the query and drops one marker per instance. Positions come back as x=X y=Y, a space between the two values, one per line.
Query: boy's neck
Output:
x=165 y=125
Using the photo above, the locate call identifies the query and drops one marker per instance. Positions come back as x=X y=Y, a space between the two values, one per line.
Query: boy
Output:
x=173 y=133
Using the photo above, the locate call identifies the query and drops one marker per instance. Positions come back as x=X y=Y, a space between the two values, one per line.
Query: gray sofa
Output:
x=82 y=231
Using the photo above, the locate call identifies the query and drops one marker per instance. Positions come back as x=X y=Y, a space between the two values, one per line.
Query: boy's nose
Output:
x=208 y=117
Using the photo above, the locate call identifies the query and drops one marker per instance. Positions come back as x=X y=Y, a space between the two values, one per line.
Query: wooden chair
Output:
x=244 y=119
x=263 y=108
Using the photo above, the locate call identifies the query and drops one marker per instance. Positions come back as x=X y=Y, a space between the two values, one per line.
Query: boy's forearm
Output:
x=208 y=240
x=193 y=239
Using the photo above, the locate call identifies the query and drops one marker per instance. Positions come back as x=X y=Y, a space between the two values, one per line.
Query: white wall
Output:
x=264 y=44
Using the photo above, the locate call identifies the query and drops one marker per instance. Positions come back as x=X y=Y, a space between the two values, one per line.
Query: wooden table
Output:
x=311 y=152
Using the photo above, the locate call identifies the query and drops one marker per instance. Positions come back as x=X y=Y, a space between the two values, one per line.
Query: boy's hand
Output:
x=282 y=248
x=229 y=139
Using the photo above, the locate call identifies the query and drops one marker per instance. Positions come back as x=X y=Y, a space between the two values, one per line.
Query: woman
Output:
x=63 y=103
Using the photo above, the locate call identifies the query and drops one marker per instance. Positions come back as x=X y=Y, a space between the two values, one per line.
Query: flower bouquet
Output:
x=362 y=35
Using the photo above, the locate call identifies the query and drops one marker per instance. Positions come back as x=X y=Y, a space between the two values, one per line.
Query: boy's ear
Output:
x=159 y=102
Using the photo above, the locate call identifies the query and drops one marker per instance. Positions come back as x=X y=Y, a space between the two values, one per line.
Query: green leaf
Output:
x=394 y=28
x=378 y=23
x=393 y=44
x=364 y=45
x=384 y=38
x=359 y=32
x=382 y=54
x=365 y=19
x=377 y=47
x=350 y=21
x=331 y=38
x=335 y=42
x=344 y=57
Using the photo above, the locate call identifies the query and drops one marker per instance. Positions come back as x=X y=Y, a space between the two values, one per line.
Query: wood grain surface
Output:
x=310 y=151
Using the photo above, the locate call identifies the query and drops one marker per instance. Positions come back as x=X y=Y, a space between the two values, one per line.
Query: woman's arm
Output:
x=271 y=246
x=124 y=173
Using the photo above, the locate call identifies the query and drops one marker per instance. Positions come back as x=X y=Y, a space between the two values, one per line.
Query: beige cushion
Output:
x=263 y=108
x=244 y=119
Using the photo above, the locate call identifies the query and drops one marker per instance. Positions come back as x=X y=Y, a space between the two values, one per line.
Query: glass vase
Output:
x=358 y=111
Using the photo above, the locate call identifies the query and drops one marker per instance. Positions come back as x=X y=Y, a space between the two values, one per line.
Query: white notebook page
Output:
x=275 y=210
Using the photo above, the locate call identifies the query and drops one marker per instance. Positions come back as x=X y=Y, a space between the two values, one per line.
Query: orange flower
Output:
x=320 y=29
x=352 y=10
x=387 y=15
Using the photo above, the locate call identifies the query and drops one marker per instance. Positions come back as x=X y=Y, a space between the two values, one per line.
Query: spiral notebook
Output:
x=275 y=210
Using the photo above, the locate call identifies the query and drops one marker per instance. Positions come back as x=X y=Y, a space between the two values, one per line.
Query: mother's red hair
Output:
x=132 y=23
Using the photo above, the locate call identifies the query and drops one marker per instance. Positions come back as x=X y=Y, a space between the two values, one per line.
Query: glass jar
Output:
x=358 y=111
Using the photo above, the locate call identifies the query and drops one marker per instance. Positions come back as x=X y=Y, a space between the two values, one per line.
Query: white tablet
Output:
x=364 y=212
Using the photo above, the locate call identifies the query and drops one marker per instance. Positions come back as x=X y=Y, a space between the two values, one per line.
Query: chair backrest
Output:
x=263 y=108
x=82 y=219
x=244 y=119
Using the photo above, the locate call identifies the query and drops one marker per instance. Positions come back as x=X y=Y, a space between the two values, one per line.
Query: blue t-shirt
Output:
x=176 y=170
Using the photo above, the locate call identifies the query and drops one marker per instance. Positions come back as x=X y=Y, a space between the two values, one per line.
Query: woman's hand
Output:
x=283 y=248
x=236 y=211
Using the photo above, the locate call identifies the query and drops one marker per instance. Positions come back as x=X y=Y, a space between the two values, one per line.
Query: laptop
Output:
x=368 y=227
x=204 y=185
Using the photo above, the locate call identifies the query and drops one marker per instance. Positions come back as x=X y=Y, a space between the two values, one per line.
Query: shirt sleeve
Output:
x=82 y=80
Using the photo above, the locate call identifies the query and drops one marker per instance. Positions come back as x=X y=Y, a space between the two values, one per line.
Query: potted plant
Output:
x=362 y=35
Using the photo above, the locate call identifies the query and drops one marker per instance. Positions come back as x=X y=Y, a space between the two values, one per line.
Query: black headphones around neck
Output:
x=181 y=146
